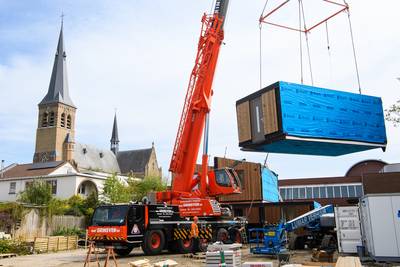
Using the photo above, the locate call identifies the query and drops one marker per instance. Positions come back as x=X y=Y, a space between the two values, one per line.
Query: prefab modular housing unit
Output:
x=380 y=226
x=258 y=182
x=298 y=119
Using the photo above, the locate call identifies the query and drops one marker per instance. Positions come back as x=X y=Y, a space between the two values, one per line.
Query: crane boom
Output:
x=198 y=100
x=195 y=193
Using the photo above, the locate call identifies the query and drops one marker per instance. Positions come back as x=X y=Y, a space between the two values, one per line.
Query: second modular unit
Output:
x=299 y=119
x=380 y=226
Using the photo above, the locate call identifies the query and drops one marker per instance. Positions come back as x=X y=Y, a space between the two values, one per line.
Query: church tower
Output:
x=114 y=137
x=55 y=133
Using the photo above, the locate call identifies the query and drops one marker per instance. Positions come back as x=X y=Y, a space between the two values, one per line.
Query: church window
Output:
x=69 y=122
x=51 y=118
x=63 y=120
x=45 y=117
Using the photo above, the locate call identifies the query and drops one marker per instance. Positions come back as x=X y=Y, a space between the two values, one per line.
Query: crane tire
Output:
x=235 y=236
x=184 y=246
x=154 y=242
x=223 y=235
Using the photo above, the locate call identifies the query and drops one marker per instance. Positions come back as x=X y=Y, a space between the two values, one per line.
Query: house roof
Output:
x=58 y=87
x=134 y=160
x=32 y=169
x=89 y=157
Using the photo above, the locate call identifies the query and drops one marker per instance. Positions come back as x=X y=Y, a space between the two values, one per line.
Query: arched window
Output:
x=63 y=120
x=45 y=117
x=69 y=122
x=51 y=119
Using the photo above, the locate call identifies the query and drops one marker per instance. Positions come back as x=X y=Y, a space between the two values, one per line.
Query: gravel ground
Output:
x=77 y=257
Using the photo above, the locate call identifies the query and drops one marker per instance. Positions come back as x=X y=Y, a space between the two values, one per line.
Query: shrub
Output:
x=64 y=231
x=37 y=193
x=10 y=246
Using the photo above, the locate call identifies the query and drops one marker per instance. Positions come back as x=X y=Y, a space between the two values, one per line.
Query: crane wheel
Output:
x=223 y=235
x=154 y=241
x=184 y=245
x=235 y=235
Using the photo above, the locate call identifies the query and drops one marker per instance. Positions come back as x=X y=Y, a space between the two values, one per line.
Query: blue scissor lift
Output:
x=271 y=239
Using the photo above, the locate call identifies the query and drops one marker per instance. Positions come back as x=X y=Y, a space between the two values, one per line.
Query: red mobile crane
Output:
x=195 y=195
x=165 y=224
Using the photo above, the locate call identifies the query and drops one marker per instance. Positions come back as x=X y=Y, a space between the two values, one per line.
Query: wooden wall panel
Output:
x=270 y=112
x=243 y=121
x=251 y=186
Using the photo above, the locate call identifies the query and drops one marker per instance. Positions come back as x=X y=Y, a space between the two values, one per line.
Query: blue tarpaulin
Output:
x=321 y=113
x=315 y=121
x=270 y=191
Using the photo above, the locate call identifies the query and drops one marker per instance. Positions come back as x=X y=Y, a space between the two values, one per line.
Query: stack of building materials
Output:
x=232 y=255
x=298 y=119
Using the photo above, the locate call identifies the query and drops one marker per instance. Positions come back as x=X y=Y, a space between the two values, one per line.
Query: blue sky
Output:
x=136 y=56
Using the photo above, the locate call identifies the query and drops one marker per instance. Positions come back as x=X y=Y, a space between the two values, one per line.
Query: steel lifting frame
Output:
x=343 y=7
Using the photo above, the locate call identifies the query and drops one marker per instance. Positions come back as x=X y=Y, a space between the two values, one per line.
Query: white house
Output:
x=64 y=178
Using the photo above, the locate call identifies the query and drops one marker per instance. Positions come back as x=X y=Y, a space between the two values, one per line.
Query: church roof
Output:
x=134 y=160
x=58 y=87
x=89 y=157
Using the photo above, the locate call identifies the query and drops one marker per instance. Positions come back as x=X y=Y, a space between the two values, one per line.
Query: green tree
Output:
x=37 y=193
x=116 y=191
x=393 y=113
x=141 y=188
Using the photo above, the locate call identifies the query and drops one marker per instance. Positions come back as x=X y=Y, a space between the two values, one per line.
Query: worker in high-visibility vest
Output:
x=194 y=235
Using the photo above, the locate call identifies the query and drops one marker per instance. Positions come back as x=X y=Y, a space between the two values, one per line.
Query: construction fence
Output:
x=54 y=243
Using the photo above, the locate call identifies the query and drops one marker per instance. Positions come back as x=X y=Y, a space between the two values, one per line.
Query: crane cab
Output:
x=224 y=181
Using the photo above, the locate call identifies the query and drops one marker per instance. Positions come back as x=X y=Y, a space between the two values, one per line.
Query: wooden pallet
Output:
x=7 y=255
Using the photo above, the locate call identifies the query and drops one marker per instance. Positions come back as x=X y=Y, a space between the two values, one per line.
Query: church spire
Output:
x=114 y=137
x=58 y=87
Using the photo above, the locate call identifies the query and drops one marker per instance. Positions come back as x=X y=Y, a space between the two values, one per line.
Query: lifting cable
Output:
x=308 y=45
x=260 y=27
x=354 y=49
x=328 y=46
x=301 y=47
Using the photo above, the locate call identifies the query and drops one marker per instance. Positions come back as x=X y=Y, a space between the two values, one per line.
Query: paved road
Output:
x=76 y=258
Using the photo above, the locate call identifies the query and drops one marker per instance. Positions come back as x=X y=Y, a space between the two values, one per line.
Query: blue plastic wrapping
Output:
x=310 y=120
x=270 y=191
x=321 y=113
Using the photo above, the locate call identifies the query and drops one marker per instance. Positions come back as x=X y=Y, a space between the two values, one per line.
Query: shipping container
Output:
x=299 y=119
x=380 y=226
x=348 y=229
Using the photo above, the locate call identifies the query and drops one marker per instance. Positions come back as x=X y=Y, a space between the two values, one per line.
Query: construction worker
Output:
x=194 y=235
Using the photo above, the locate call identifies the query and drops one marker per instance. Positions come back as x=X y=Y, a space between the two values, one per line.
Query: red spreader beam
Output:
x=263 y=18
